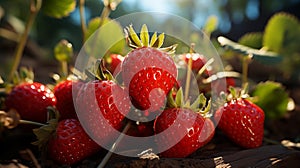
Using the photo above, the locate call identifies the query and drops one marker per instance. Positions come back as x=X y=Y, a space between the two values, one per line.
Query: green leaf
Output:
x=58 y=8
x=253 y=40
x=144 y=36
x=260 y=55
x=282 y=33
x=211 y=24
x=272 y=98
x=107 y=39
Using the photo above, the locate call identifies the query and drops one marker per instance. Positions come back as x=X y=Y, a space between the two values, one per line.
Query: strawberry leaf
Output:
x=260 y=55
x=107 y=39
x=272 y=98
x=282 y=33
x=253 y=40
x=58 y=8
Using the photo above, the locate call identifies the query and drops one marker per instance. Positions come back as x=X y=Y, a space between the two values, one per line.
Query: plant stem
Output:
x=82 y=19
x=34 y=9
x=64 y=68
x=188 y=74
x=31 y=123
x=114 y=146
x=245 y=65
x=105 y=13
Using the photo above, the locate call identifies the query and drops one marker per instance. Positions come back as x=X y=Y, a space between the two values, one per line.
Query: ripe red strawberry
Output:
x=183 y=128
x=141 y=129
x=198 y=60
x=65 y=92
x=101 y=106
x=242 y=121
x=114 y=63
x=195 y=129
x=148 y=72
x=31 y=101
x=70 y=144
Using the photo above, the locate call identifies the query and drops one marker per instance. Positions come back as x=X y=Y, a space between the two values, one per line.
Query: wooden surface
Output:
x=263 y=157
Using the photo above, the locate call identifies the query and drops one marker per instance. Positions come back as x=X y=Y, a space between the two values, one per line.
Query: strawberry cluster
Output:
x=93 y=109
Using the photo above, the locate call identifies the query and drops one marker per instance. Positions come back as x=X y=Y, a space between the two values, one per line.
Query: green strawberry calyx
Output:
x=200 y=105
x=236 y=93
x=144 y=40
x=44 y=133
x=98 y=71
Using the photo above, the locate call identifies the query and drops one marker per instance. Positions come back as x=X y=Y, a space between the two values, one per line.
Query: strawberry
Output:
x=141 y=129
x=70 y=144
x=64 y=93
x=114 y=62
x=242 y=121
x=198 y=60
x=101 y=106
x=31 y=100
x=148 y=72
x=187 y=128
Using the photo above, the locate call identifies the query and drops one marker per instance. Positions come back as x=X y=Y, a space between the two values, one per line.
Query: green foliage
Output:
x=253 y=40
x=58 y=8
x=211 y=24
x=104 y=37
x=282 y=34
x=260 y=55
x=272 y=98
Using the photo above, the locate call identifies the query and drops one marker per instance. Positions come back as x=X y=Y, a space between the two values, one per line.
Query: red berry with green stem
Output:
x=101 y=107
x=242 y=121
x=148 y=72
x=190 y=123
x=70 y=143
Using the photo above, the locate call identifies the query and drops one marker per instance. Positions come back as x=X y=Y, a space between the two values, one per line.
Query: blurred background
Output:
x=235 y=18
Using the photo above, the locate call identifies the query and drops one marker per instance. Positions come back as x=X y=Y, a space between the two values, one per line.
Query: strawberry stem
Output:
x=114 y=146
x=31 y=123
x=188 y=74
x=35 y=6
x=82 y=19
x=245 y=66
x=64 y=69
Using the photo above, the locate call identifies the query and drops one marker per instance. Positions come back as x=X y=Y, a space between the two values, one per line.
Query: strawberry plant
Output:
x=110 y=95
